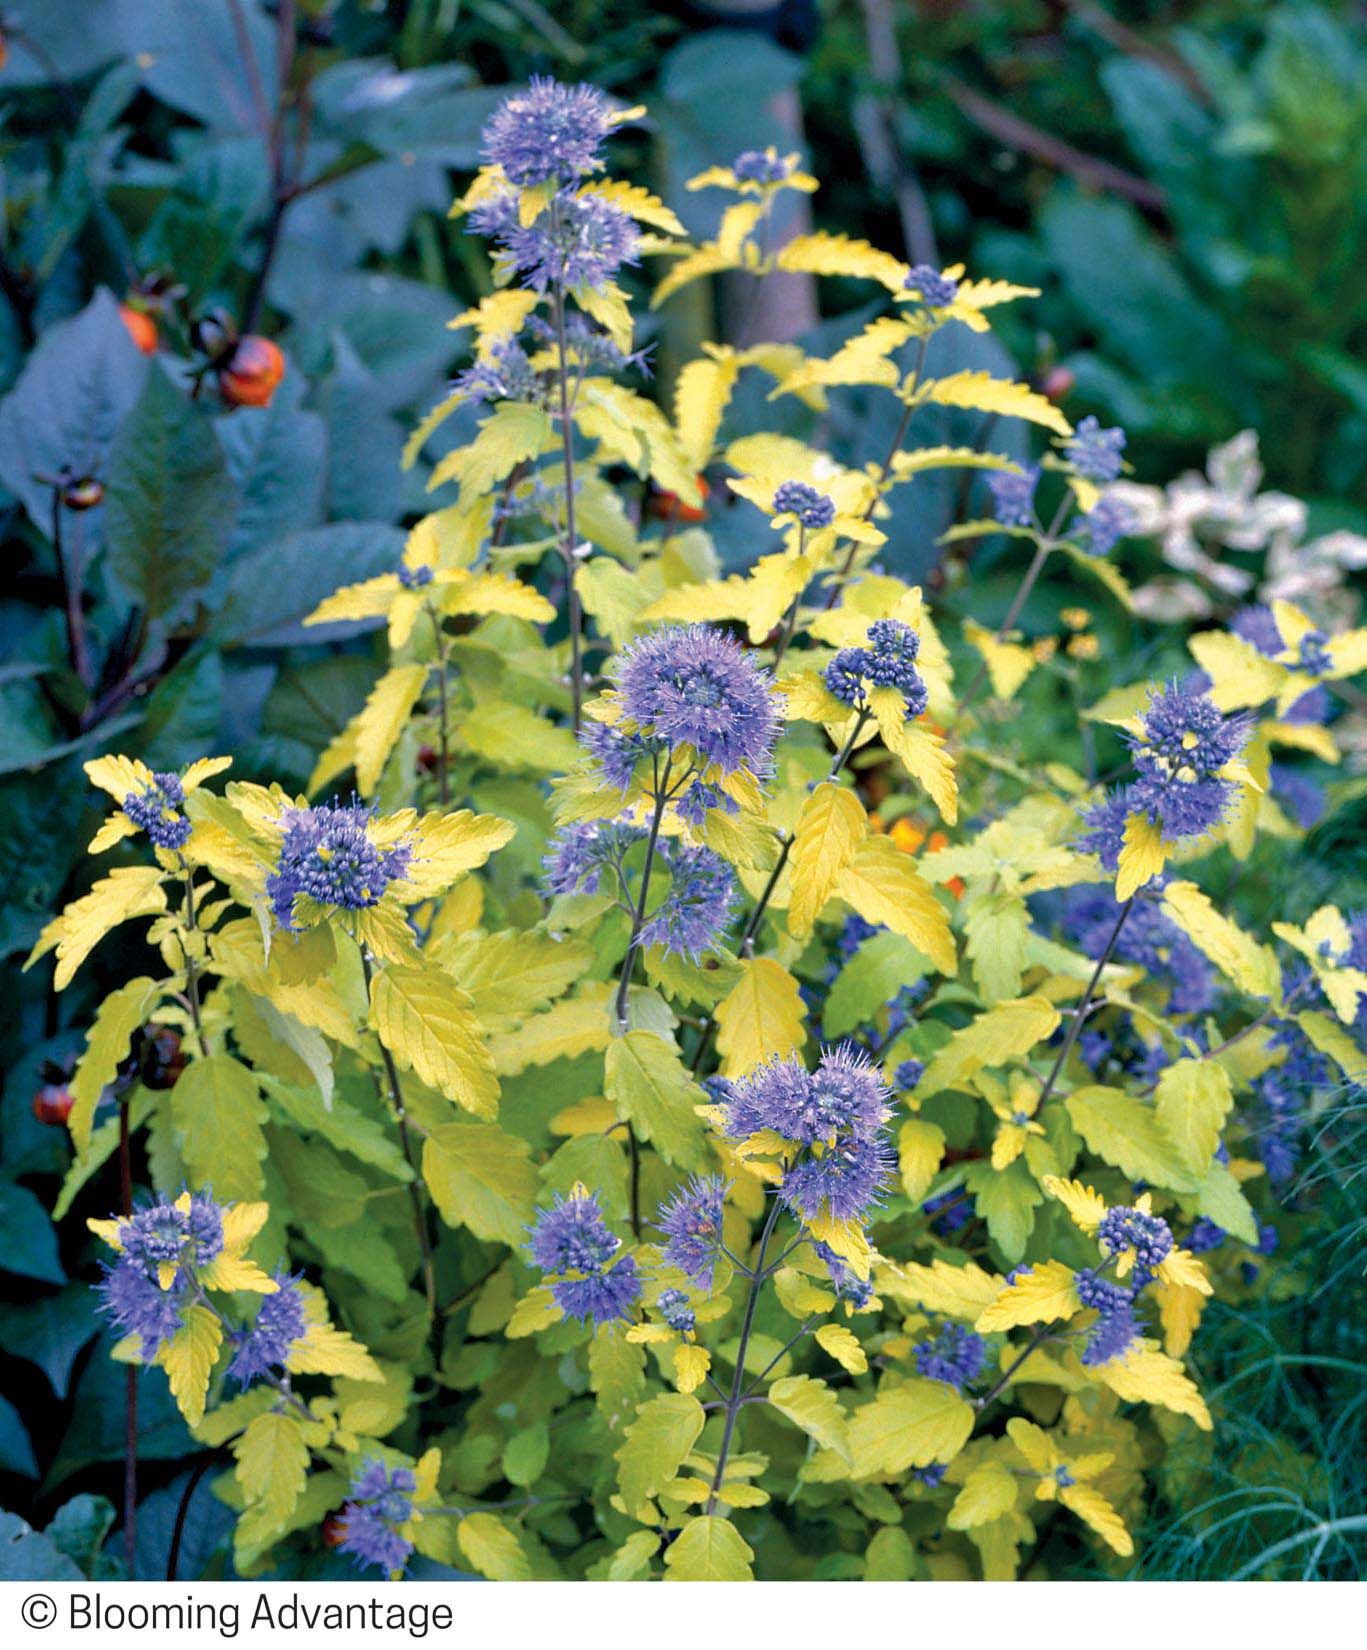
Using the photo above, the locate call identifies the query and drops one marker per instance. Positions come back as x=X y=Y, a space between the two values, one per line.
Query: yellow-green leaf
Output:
x=648 y=1086
x=831 y=826
x=106 y=1044
x=657 y=1444
x=884 y=887
x=382 y=720
x=188 y=1359
x=709 y=1549
x=482 y=1178
x=218 y=1115
x=132 y=891
x=1005 y=1032
x=492 y=1548
x=983 y=393
x=1130 y=1135
x=1192 y=1101
x=811 y=1405
x=1043 y=1293
x=272 y=1464
x=909 y=1425
x=424 y=1020
x=759 y=1018
x=1252 y=967
x=920 y=1148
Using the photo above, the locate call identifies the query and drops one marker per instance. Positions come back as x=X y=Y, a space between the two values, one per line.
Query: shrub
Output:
x=706 y=1097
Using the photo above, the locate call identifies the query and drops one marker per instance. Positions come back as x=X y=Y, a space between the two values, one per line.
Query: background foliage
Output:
x=1184 y=183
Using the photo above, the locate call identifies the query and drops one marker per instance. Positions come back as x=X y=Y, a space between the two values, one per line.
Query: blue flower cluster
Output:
x=381 y=1501
x=156 y=810
x=693 y=915
x=280 y=1322
x=1108 y=521
x=1180 y=750
x=550 y=133
x=690 y=1223
x=1125 y=1230
x=846 y=1282
x=1096 y=454
x=835 y=1117
x=327 y=856
x=573 y=1247
x=813 y=509
x=1013 y=496
x=1115 y=1329
x=415 y=578
x=694 y=686
x=505 y=373
x=137 y=1296
x=937 y=291
x=676 y=1312
x=551 y=137
x=955 y=1355
x=887 y=660
x=1150 y=939
x=763 y=166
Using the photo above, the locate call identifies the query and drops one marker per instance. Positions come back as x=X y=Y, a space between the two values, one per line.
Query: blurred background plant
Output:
x=225 y=264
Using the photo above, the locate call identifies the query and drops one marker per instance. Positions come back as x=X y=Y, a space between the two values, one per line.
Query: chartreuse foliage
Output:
x=510 y=1079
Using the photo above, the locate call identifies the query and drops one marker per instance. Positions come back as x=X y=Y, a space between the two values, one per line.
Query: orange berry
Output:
x=53 y=1103
x=1058 y=383
x=252 y=373
x=142 y=329
x=667 y=506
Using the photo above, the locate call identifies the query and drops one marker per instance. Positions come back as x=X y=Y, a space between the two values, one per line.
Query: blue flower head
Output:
x=887 y=660
x=136 y=1294
x=763 y=166
x=909 y=1073
x=327 y=856
x=677 y=1313
x=1096 y=454
x=693 y=685
x=956 y=1356
x=1115 y=1329
x=1124 y=1230
x=503 y=374
x=551 y=133
x=1108 y=521
x=578 y=241
x=937 y=291
x=381 y=1501
x=1183 y=744
x=1013 y=496
x=813 y=509
x=572 y=1245
x=844 y=1182
x=415 y=578
x=846 y=1282
x=690 y=1222
x=280 y=1322
x=693 y=915
x=156 y=810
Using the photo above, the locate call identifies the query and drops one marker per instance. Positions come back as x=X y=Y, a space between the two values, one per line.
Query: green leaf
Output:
x=1192 y=1101
x=1220 y=1198
x=30 y=1242
x=811 y=1405
x=617 y=1375
x=657 y=1444
x=515 y=736
x=646 y=1083
x=272 y=1466
x=872 y=977
x=526 y=1454
x=218 y=1113
x=709 y=1549
x=482 y=1178
x=168 y=500
x=1006 y=1199
x=1129 y=1134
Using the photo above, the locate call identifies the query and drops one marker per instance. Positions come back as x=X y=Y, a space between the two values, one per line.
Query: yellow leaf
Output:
x=446 y=846
x=920 y=1148
x=830 y=828
x=835 y=1339
x=883 y=886
x=657 y=1444
x=424 y=1020
x=637 y=203
x=1040 y=1295
x=513 y=432
x=1179 y=1310
x=1330 y=1040
x=1146 y=1375
x=691 y=1364
x=708 y=1549
x=1240 y=676
x=272 y=1464
x=570 y=1028
x=1085 y=1206
x=1098 y=1514
x=811 y=1405
x=132 y=891
x=1008 y=663
x=700 y=397
x=984 y=393
x=382 y=720
x=760 y=1018
x=492 y=1548
x=1252 y=967
x=909 y=1426
x=106 y=1044
x=925 y=755
x=988 y=1492
x=826 y=254
x=188 y=1359
x=956 y=1291
x=1142 y=856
